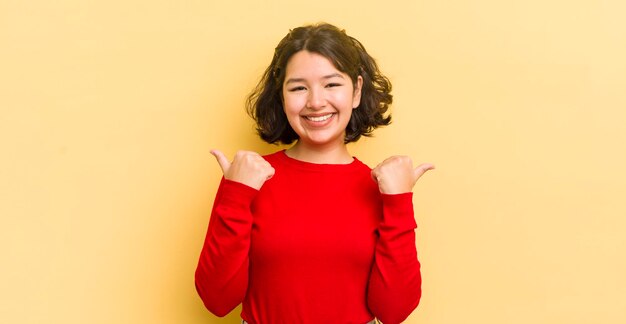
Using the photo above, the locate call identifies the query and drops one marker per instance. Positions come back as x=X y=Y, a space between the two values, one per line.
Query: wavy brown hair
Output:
x=348 y=55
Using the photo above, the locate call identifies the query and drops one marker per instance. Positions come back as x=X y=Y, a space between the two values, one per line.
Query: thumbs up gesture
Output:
x=247 y=167
x=396 y=174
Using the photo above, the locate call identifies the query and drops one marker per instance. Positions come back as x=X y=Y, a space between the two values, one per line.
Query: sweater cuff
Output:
x=398 y=210
x=235 y=193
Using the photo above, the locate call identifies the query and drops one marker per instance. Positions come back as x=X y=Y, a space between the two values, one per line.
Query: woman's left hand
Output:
x=396 y=174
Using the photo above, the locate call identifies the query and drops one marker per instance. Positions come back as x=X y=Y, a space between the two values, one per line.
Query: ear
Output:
x=356 y=98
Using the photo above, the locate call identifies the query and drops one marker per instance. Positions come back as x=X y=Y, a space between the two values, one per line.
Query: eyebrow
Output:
x=330 y=76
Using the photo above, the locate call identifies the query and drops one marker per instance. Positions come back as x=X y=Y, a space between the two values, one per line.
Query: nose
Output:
x=316 y=99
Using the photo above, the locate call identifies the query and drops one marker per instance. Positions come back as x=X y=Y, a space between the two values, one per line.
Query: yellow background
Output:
x=108 y=110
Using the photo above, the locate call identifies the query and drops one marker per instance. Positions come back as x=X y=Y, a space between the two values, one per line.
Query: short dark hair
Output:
x=348 y=55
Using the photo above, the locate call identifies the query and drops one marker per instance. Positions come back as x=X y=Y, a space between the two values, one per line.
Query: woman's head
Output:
x=348 y=55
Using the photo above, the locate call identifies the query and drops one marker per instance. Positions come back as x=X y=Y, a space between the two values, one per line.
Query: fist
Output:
x=247 y=167
x=396 y=174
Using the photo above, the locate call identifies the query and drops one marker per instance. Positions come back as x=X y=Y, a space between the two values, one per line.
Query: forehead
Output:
x=310 y=63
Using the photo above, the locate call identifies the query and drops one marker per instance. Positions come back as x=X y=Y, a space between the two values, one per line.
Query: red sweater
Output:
x=318 y=243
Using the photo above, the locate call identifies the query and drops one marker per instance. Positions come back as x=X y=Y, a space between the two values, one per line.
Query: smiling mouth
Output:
x=319 y=118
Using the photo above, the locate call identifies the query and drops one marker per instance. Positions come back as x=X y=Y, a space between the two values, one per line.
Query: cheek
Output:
x=341 y=99
x=292 y=104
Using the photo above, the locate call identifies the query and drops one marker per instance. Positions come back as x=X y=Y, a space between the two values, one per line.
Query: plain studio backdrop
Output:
x=108 y=110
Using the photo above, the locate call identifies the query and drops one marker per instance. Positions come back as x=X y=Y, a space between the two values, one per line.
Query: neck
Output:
x=335 y=154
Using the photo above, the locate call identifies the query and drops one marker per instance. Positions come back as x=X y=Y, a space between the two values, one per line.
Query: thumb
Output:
x=221 y=160
x=374 y=174
x=421 y=169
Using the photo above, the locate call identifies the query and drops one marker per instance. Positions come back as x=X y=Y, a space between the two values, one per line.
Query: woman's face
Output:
x=318 y=99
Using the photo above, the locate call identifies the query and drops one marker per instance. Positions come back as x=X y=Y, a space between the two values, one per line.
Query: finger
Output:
x=422 y=168
x=374 y=176
x=271 y=173
x=221 y=160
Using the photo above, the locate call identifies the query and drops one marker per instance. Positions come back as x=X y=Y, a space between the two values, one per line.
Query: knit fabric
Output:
x=318 y=243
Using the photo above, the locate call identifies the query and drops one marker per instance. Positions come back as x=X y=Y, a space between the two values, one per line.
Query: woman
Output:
x=310 y=234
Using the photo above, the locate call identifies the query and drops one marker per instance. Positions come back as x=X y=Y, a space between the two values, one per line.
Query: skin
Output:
x=318 y=100
x=314 y=88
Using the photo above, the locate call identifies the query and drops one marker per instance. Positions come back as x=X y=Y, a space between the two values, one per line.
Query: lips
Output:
x=320 y=118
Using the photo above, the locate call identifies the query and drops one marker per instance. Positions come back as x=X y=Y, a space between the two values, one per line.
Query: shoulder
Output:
x=365 y=175
x=275 y=158
x=360 y=165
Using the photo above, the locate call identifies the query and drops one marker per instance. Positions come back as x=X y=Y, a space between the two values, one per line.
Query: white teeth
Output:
x=320 y=118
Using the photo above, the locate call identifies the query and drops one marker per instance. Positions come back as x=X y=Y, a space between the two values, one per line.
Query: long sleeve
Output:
x=394 y=289
x=221 y=277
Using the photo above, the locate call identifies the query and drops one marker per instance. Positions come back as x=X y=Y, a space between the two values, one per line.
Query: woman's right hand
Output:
x=249 y=168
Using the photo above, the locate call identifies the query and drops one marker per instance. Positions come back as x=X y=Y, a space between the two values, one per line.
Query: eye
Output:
x=298 y=88
x=331 y=85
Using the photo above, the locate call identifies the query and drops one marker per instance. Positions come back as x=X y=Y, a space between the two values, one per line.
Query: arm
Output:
x=394 y=289
x=395 y=285
x=222 y=274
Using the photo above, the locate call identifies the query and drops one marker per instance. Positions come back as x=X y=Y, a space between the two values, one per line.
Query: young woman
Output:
x=310 y=234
